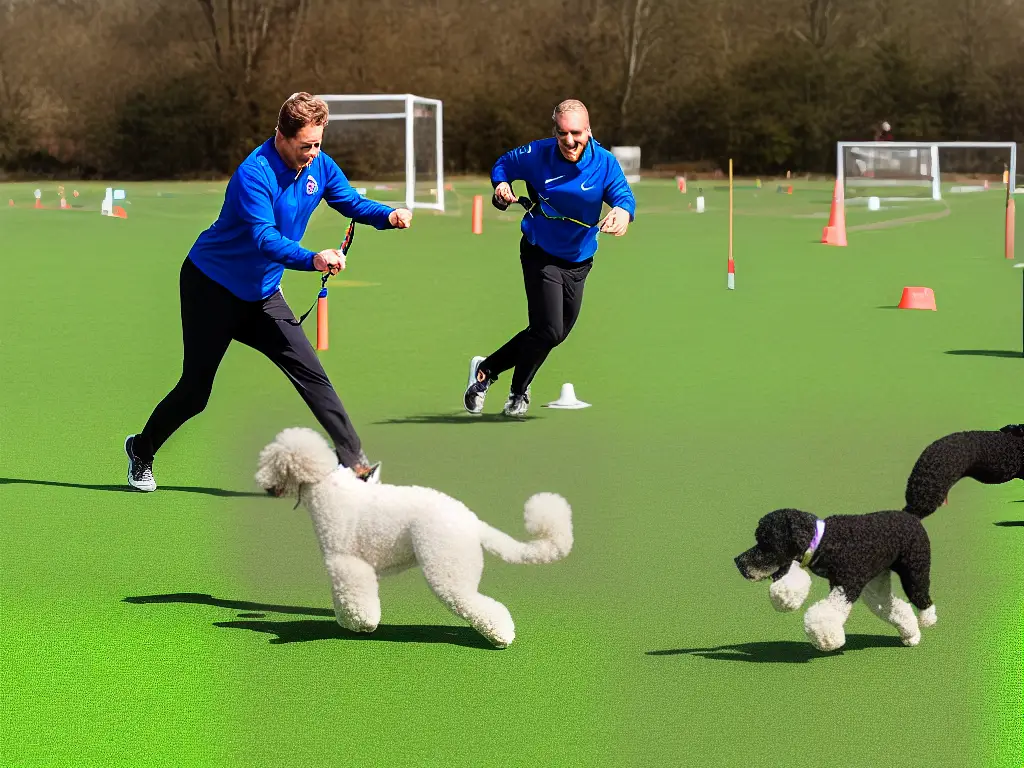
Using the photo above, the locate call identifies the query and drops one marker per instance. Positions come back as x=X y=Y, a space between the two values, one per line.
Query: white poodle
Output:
x=366 y=531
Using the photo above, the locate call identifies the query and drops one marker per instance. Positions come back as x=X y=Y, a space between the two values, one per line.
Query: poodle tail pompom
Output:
x=548 y=519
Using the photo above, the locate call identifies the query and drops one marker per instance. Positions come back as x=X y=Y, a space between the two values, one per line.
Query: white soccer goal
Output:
x=908 y=170
x=392 y=142
x=629 y=161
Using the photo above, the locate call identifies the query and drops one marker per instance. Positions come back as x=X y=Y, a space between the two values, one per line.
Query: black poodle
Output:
x=988 y=456
x=857 y=554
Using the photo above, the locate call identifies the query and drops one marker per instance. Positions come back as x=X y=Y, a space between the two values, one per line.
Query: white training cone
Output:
x=567 y=399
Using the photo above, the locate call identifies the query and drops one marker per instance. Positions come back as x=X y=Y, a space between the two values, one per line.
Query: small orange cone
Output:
x=789 y=190
x=10 y=203
x=917 y=298
x=1010 y=226
x=321 y=319
x=835 y=232
x=39 y=203
x=478 y=214
x=119 y=212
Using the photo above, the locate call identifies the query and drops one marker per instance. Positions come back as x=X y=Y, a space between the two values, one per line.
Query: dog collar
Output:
x=819 y=531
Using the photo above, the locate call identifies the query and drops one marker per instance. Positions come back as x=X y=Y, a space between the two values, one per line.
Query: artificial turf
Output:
x=193 y=626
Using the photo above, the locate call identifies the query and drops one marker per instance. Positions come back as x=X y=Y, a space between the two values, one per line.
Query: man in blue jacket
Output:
x=230 y=283
x=568 y=178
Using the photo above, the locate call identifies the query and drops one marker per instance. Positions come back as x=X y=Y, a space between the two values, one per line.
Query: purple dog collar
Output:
x=819 y=531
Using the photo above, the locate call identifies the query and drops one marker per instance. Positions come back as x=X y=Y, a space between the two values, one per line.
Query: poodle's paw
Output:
x=500 y=633
x=357 y=623
x=827 y=640
x=912 y=640
x=789 y=593
x=824 y=627
x=929 y=617
x=502 y=642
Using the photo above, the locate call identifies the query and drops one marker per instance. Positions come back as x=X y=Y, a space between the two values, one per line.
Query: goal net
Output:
x=910 y=171
x=390 y=144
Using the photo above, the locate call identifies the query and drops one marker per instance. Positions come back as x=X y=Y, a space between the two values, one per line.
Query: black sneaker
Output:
x=373 y=476
x=476 y=390
x=140 y=473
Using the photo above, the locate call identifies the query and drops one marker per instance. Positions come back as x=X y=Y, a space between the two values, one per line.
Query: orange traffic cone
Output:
x=835 y=232
x=917 y=298
x=119 y=212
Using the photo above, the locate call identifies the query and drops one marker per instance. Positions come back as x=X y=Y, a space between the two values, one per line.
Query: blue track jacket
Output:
x=576 y=190
x=264 y=216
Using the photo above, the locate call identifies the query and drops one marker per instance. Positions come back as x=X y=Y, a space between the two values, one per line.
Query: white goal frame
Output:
x=933 y=147
x=409 y=102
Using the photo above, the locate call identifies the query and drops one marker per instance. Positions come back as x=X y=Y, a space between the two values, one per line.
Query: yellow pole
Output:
x=732 y=266
x=730 y=209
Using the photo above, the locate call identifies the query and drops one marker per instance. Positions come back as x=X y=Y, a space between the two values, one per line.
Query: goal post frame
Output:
x=409 y=101
x=933 y=147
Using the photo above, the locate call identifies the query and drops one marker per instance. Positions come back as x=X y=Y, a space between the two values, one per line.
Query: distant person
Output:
x=884 y=133
x=230 y=283
x=568 y=178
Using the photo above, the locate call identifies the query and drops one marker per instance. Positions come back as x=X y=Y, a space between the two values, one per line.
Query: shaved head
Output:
x=572 y=128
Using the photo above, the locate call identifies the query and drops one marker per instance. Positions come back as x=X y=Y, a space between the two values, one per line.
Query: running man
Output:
x=568 y=178
x=230 y=283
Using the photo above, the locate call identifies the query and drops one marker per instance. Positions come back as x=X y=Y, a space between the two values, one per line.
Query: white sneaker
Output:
x=140 y=473
x=476 y=391
x=517 y=405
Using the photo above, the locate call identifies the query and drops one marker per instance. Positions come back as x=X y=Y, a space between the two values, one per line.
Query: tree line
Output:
x=186 y=88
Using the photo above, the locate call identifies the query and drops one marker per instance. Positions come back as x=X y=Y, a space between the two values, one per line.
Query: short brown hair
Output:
x=299 y=110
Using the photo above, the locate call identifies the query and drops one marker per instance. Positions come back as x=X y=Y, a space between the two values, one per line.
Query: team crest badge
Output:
x=310 y=185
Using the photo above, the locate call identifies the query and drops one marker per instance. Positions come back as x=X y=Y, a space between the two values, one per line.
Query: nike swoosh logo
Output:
x=556 y=178
x=585 y=188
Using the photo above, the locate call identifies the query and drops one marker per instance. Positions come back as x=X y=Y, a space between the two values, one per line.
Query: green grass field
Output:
x=193 y=626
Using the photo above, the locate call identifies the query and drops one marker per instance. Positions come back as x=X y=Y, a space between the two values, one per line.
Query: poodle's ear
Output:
x=800 y=526
x=1017 y=430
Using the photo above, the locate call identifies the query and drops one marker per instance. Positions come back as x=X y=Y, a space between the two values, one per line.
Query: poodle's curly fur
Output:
x=988 y=456
x=366 y=531
x=857 y=554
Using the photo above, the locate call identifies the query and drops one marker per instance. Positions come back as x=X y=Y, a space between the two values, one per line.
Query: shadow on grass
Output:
x=456 y=418
x=1010 y=523
x=782 y=651
x=125 y=488
x=985 y=352
x=307 y=630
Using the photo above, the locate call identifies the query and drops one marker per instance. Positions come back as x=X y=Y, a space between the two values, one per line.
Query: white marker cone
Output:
x=567 y=399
